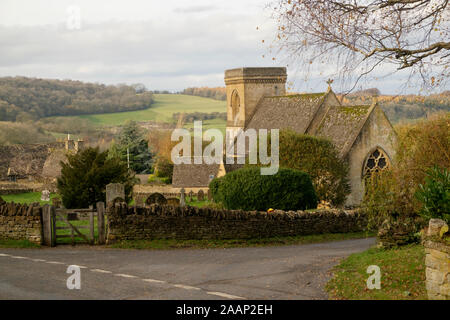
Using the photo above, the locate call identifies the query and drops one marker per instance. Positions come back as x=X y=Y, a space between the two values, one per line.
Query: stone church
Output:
x=256 y=98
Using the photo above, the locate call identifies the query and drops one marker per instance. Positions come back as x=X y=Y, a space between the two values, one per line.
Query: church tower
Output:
x=245 y=89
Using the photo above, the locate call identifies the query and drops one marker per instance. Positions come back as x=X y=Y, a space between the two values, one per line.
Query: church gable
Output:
x=292 y=111
x=342 y=125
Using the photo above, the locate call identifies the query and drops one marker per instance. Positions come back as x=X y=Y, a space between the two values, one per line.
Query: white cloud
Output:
x=163 y=44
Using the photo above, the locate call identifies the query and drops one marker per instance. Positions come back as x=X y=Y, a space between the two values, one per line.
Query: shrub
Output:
x=85 y=175
x=164 y=168
x=320 y=159
x=434 y=195
x=390 y=195
x=247 y=189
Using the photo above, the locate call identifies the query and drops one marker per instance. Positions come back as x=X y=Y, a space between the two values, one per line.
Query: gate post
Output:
x=47 y=226
x=101 y=222
x=53 y=218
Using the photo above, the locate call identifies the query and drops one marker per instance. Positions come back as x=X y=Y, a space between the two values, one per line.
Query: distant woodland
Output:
x=23 y=99
x=218 y=93
x=403 y=107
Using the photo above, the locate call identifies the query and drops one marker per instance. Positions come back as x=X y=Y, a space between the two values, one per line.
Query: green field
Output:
x=161 y=110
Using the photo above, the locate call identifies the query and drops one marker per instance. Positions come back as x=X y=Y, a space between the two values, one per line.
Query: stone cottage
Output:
x=256 y=98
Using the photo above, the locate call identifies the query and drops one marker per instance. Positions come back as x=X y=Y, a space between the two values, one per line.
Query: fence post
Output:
x=53 y=223
x=101 y=222
x=47 y=225
x=91 y=226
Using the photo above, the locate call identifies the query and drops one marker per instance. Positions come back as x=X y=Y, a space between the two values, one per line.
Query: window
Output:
x=235 y=106
x=376 y=162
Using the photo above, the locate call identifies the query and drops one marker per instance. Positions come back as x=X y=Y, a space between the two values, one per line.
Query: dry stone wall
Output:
x=21 y=222
x=172 y=222
x=437 y=262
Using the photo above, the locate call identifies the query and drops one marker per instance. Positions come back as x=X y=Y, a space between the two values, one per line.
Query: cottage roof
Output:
x=194 y=175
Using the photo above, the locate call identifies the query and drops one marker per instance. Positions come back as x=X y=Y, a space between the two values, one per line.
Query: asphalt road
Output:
x=289 y=272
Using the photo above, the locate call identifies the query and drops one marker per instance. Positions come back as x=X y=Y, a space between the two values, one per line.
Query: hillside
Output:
x=24 y=99
x=163 y=107
x=403 y=107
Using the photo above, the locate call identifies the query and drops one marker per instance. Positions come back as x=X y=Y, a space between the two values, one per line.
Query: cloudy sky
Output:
x=163 y=44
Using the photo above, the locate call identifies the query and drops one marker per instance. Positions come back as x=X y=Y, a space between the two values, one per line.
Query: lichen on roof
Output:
x=303 y=95
x=342 y=124
x=356 y=111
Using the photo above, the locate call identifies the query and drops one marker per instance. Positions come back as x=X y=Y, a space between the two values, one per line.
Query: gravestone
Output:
x=173 y=201
x=45 y=196
x=156 y=198
x=182 y=197
x=209 y=195
x=191 y=194
x=2 y=201
x=115 y=191
x=200 y=195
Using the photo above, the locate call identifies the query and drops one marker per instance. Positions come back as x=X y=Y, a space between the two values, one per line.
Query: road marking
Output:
x=225 y=295
x=153 y=281
x=124 y=275
x=181 y=286
x=100 y=271
x=186 y=287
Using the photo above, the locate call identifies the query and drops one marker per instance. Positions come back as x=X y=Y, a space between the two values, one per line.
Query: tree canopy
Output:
x=360 y=36
x=24 y=99
x=85 y=175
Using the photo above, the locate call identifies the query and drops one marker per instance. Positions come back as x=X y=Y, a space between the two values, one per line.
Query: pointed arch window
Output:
x=235 y=106
x=377 y=161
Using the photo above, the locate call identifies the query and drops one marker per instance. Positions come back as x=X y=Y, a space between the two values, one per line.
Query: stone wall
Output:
x=170 y=222
x=21 y=222
x=437 y=262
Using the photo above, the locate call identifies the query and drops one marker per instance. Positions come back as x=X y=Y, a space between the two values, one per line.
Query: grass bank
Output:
x=18 y=244
x=164 y=244
x=402 y=275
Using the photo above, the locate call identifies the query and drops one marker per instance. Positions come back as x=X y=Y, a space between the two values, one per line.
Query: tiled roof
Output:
x=342 y=125
x=193 y=175
x=293 y=111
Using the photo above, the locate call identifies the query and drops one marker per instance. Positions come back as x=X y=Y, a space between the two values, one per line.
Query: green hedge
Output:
x=247 y=189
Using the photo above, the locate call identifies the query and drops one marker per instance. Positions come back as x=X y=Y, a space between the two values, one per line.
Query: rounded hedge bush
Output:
x=247 y=189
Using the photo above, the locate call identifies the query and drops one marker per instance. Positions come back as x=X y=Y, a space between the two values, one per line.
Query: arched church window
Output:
x=235 y=106
x=377 y=161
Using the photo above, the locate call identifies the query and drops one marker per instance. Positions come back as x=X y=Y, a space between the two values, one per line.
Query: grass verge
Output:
x=402 y=275
x=18 y=244
x=164 y=244
x=27 y=198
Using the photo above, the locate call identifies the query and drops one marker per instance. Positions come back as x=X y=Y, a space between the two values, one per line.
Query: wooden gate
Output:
x=71 y=226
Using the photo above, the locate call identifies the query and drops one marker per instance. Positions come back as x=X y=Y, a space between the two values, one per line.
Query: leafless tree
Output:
x=360 y=36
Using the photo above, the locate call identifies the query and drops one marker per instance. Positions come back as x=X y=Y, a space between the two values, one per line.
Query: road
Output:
x=281 y=272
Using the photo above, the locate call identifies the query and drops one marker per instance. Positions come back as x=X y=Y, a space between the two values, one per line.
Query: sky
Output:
x=166 y=45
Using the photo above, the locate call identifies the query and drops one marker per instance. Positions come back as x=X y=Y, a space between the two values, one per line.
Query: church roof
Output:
x=193 y=175
x=342 y=125
x=292 y=111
